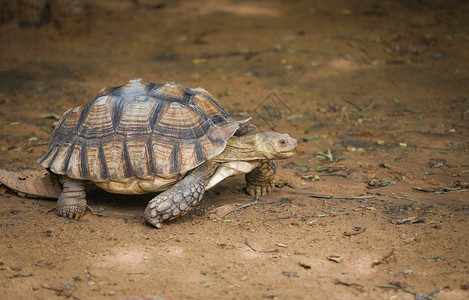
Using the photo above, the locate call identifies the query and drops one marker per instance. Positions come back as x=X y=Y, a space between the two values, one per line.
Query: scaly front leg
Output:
x=177 y=200
x=260 y=181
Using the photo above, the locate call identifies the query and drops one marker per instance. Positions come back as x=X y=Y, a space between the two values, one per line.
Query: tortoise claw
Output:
x=71 y=212
x=152 y=217
x=259 y=190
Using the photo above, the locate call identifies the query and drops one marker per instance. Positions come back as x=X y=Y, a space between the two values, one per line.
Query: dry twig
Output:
x=337 y=281
x=361 y=230
x=383 y=260
x=246 y=53
x=58 y=290
x=259 y=251
x=417 y=295
x=241 y=207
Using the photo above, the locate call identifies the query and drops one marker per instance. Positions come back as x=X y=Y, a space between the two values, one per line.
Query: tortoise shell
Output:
x=140 y=130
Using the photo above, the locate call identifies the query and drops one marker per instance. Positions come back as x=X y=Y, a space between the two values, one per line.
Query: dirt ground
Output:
x=376 y=93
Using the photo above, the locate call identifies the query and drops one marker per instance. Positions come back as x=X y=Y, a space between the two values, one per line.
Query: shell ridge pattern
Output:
x=151 y=160
x=84 y=161
x=155 y=118
x=83 y=116
x=200 y=156
x=102 y=160
x=117 y=109
x=221 y=108
x=59 y=135
x=108 y=90
x=175 y=159
x=54 y=156
x=199 y=153
x=150 y=86
x=128 y=172
x=49 y=151
x=69 y=155
x=139 y=130
x=61 y=121
x=60 y=138
x=95 y=121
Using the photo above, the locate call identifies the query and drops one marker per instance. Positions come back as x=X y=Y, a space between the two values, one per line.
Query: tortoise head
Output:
x=274 y=145
x=263 y=145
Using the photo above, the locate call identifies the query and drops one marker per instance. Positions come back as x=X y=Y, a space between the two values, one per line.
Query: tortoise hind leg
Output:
x=260 y=181
x=177 y=200
x=72 y=200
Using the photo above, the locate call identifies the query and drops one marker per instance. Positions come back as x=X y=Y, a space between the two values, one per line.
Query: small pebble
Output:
x=335 y=258
x=438 y=55
x=110 y=293
x=67 y=284
x=290 y=274
x=454 y=144
x=407 y=272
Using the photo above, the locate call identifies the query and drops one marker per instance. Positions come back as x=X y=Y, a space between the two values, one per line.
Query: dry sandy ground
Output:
x=382 y=85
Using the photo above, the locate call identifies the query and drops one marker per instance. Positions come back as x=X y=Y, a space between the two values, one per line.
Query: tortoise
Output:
x=145 y=137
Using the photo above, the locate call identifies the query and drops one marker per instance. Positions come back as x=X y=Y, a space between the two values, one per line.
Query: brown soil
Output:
x=384 y=85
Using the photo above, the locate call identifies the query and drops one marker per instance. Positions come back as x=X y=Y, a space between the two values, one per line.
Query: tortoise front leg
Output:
x=260 y=181
x=177 y=200
x=72 y=200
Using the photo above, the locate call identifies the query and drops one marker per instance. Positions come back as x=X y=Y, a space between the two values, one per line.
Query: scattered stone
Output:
x=109 y=293
x=305 y=265
x=335 y=258
x=437 y=162
x=290 y=274
x=67 y=284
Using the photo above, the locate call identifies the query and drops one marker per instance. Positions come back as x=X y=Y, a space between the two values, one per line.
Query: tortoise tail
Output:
x=32 y=185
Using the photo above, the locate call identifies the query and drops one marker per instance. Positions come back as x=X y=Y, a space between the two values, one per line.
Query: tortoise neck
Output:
x=240 y=148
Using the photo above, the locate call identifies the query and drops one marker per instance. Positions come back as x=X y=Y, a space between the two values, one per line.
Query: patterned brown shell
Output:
x=139 y=130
